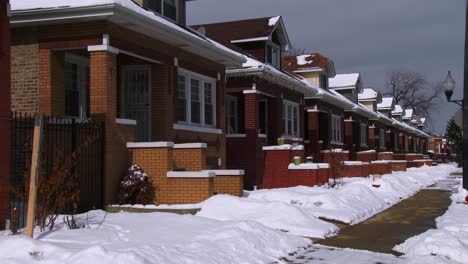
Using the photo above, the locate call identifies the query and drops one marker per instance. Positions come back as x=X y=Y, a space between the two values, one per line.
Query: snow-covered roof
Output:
x=408 y=114
x=125 y=13
x=349 y=80
x=386 y=104
x=256 y=67
x=397 y=110
x=311 y=62
x=368 y=94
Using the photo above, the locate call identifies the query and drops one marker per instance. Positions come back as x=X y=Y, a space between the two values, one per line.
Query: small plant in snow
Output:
x=136 y=187
x=296 y=202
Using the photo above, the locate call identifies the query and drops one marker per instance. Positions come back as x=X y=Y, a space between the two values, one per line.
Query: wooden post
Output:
x=34 y=173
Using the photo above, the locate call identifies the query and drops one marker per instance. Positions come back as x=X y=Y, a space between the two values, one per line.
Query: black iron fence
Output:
x=63 y=138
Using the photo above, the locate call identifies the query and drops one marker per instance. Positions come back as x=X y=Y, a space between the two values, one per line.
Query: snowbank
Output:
x=449 y=240
x=276 y=215
x=152 y=238
x=356 y=200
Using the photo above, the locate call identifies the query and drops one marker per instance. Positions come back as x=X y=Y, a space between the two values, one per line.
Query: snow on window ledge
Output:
x=123 y=121
x=199 y=129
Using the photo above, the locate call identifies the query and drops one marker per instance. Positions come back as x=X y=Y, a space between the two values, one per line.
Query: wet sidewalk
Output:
x=382 y=232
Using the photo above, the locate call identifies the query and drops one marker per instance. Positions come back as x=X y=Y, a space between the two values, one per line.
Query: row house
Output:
x=263 y=102
x=158 y=85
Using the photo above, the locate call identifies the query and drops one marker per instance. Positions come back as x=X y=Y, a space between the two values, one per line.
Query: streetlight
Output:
x=449 y=85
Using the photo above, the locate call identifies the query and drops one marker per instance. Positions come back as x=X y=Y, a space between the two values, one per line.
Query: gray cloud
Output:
x=373 y=37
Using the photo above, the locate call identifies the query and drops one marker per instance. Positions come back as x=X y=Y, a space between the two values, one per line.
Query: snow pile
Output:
x=386 y=103
x=367 y=94
x=152 y=238
x=449 y=240
x=356 y=200
x=276 y=215
x=273 y=20
x=304 y=59
x=343 y=80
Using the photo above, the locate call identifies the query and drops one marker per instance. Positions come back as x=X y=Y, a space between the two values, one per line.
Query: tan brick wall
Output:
x=190 y=159
x=186 y=190
x=232 y=185
x=25 y=78
x=156 y=162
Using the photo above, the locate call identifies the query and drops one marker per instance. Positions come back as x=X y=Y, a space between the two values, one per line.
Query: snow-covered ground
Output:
x=260 y=228
x=152 y=238
x=449 y=240
x=356 y=200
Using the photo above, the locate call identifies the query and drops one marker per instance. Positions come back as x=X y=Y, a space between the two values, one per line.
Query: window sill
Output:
x=200 y=129
x=337 y=143
x=236 y=135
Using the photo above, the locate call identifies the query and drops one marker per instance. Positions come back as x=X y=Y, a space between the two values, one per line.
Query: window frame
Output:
x=278 y=57
x=336 y=130
x=382 y=138
x=145 y=4
x=83 y=66
x=289 y=117
x=189 y=76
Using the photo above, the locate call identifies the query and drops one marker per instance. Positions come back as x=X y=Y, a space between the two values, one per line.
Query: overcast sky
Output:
x=373 y=37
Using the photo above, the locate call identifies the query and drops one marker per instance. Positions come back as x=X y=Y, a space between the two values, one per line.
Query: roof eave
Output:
x=128 y=19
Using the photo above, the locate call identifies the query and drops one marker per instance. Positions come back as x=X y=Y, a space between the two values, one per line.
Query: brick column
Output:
x=103 y=106
x=5 y=102
x=349 y=136
x=51 y=74
x=253 y=169
x=313 y=132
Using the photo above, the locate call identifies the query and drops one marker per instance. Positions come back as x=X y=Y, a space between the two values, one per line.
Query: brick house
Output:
x=133 y=64
x=263 y=102
x=357 y=119
x=324 y=111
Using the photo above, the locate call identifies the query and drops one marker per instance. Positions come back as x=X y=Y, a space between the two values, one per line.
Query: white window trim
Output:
x=292 y=104
x=273 y=45
x=339 y=140
x=162 y=11
x=203 y=79
x=82 y=63
x=229 y=99
x=364 y=140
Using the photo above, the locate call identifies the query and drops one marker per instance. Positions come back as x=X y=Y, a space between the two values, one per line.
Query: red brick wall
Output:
x=385 y=156
x=366 y=156
x=355 y=170
x=229 y=184
x=380 y=168
x=398 y=166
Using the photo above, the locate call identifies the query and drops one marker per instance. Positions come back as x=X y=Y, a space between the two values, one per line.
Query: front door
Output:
x=135 y=99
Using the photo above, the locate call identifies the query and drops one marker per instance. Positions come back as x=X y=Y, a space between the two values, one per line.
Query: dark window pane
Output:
x=154 y=5
x=170 y=9
x=181 y=102
x=208 y=104
x=195 y=101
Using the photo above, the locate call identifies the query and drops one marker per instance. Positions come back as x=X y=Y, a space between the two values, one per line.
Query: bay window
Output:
x=336 y=137
x=196 y=99
x=290 y=119
x=167 y=8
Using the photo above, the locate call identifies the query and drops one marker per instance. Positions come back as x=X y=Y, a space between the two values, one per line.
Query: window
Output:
x=382 y=138
x=363 y=134
x=395 y=141
x=273 y=54
x=181 y=103
x=167 y=8
x=231 y=114
x=323 y=81
x=196 y=99
x=290 y=119
x=76 y=86
x=336 y=129
x=406 y=144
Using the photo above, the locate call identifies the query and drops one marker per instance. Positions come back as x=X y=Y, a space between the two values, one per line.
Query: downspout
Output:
x=5 y=103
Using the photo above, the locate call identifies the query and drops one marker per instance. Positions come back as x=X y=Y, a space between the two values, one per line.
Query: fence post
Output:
x=38 y=124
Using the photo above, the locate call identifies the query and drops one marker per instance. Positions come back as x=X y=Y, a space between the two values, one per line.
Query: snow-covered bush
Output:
x=136 y=187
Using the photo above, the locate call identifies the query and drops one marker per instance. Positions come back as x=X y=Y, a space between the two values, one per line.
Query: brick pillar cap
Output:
x=190 y=146
x=150 y=144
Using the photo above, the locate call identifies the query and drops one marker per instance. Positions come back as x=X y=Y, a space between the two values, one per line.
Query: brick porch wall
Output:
x=229 y=184
x=380 y=168
x=355 y=170
x=398 y=165
x=366 y=156
x=385 y=156
x=190 y=159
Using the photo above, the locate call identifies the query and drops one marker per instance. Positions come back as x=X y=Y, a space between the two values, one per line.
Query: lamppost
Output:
x=449 y=85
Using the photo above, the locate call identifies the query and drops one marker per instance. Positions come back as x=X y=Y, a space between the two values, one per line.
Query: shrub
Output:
x=136 y=187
